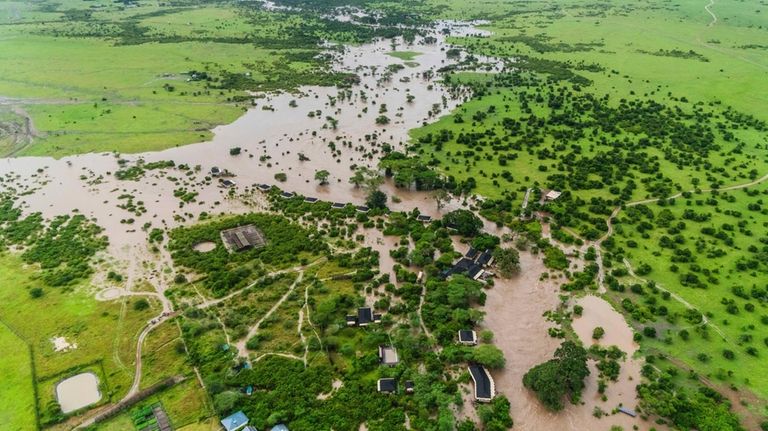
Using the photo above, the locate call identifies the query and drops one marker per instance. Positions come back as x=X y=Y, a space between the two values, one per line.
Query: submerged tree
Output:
x=563 y=375
x=322 y=176
x=507 y=260
x=376 y=199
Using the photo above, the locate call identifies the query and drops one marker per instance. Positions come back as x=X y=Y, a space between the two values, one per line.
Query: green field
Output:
x=105 y=334
x=18 y=397
x=405 y=55
x=719 y=255
x=588 y=108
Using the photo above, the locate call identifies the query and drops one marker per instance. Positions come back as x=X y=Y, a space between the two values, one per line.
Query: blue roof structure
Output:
x=235 y=421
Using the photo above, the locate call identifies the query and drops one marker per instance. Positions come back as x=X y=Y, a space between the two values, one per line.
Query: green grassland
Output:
x=105 y=334
x=404 y=55
x=562 y=119
x=613 y=63
x=186 y=405
x=724 y=277
x=18 y=397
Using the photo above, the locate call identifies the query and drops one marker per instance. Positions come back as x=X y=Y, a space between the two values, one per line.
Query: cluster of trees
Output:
x=410 y=172
x=702 y=408
x=448 y=306
x=62 y=247
x=225 y=271
x=559 y=377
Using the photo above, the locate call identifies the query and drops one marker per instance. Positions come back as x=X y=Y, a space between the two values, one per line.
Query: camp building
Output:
x=242 y=238
x=485 y=388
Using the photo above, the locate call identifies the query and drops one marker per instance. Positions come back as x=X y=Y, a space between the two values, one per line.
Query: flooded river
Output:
x=272 y=135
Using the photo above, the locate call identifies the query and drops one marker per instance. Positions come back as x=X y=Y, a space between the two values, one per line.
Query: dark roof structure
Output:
x=485 y=258
x=215 y=171
x=474 y=271
x=227 y=183
x=242 y=238
x=409 y=386
x=365 y=316
x=462 y=265
x=287 y=195
x=362 y=209
x=265 y=187
x=424 y=218
x=338 y=205
x=485 y=389
x=467 y=336
x=388 y=386
x=310 y=199
x=472 y=253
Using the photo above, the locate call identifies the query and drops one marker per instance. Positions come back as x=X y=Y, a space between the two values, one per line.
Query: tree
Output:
x=507 y=260
x=382 y=120
x=495 y=416
x=367 y=178
x=560 y=376
x=489 y=356
x=141 y=304
x=234 y=151
x=598 y=333
x=486 y=335
x=376 y=199
x=464 y=221
x=322 y=176
x=441 y=197
x=224 y=401
x=36 y=292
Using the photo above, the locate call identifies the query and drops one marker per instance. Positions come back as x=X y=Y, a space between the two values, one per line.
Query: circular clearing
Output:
x=205 y=247
x=109 y=294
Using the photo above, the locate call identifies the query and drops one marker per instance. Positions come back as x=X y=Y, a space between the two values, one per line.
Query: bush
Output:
x=141 y=305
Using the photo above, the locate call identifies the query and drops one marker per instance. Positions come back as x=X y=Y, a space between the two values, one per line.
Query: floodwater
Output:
x=271 y=135
x=78 y=391
x=514 y=310
x=340 y=134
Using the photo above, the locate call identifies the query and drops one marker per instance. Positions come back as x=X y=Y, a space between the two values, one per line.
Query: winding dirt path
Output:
x=211 y=302
x=242 y=350
x=709 y=11
x=609 y=232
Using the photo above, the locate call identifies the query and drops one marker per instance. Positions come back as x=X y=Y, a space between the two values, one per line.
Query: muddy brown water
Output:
x=77 y=392
x=271 y=141
x=514 y=310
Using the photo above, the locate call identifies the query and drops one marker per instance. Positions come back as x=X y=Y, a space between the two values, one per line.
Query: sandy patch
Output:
x=60 y=344
x=205 y=247
x=109 y=294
